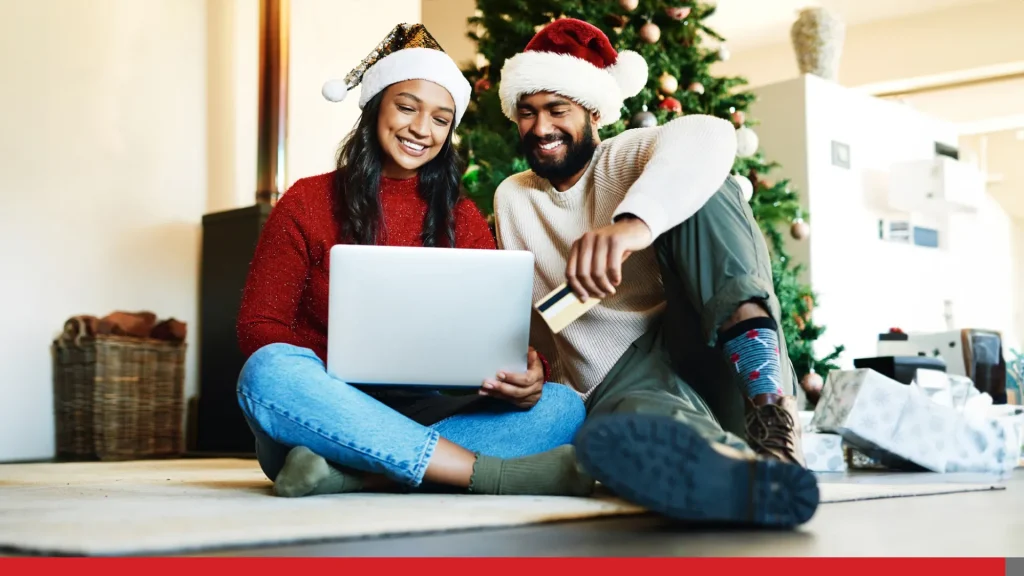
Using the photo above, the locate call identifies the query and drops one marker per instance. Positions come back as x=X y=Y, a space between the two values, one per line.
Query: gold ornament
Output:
x=629 y=5
x=812 y=384
x=800 y=229
x=696 y=88
x=650 y=33
x=811 y=381
x=668 y=83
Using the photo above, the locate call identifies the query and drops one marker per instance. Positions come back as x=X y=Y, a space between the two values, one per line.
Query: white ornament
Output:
x=746 y=142
x=723 y=53
x=745 y=186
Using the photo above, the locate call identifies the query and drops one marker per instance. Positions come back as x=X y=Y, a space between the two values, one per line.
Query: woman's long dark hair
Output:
x=357 y=185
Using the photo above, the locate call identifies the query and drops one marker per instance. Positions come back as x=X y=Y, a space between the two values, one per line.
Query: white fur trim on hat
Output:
x=600 y=90
x=630 y=71
x=408 y=64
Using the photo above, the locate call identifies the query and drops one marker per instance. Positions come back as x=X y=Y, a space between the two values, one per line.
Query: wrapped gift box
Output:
x=899 y=426
x=823 y=452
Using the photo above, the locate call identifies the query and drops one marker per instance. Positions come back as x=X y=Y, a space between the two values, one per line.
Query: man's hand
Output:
x=523 y=390
x=595 y=261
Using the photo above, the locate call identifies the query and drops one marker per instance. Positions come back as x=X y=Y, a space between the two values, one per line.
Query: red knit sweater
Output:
x=285 y=295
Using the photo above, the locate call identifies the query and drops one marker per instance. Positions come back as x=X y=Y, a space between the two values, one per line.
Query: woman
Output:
x=397 y=183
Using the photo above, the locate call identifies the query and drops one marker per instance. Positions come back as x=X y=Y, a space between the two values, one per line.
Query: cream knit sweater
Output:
x=661 y=175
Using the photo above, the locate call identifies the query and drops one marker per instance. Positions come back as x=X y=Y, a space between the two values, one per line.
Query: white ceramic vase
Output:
x=818 y=37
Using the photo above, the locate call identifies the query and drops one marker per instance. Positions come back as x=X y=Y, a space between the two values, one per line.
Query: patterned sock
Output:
x=753 y=348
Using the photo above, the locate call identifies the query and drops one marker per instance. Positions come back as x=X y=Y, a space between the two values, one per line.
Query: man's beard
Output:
x=577 y=154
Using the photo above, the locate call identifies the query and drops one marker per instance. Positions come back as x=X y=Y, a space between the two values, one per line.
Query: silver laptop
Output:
x=427 y=317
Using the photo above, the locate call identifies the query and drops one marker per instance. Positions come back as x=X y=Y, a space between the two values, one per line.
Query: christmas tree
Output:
x=679 y=49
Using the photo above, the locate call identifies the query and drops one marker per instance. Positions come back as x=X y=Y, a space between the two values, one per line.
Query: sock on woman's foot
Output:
x=752 y=346
x=306 y=474
x=551 y=473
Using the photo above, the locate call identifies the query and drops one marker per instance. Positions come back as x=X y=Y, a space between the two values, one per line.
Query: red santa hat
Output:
x=576 y=60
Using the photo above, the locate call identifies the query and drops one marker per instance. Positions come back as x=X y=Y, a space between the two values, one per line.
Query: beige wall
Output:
x=955 y=39
x=232 y=77
x=131 y=119
x=104 y=164
x=328 y=38
x=446 y=20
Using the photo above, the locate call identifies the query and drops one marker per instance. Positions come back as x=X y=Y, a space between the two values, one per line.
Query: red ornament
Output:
x=482 y=85
x=738 y=118
x=678 y=12
x=671 y=104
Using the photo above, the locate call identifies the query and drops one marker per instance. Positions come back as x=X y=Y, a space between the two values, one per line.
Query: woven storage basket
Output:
x=117 y=398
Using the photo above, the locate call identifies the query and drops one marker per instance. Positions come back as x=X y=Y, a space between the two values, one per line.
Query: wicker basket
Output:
x=117 y=398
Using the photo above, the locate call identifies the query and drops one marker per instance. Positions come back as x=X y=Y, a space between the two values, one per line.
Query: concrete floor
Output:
x=970 y=524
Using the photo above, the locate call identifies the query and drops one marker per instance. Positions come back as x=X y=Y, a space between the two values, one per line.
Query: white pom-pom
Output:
x=630 y=73
x=746 y=142
x=745 y=186
x=334 y=90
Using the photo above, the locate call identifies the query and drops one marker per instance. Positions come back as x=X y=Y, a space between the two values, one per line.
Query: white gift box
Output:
x=901 y=427
x=823 y=452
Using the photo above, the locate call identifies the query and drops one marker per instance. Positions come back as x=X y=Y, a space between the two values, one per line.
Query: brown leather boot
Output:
x=773 y=428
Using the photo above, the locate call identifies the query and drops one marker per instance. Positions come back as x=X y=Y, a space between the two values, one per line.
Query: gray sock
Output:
x=306 y=474
x=551 y=473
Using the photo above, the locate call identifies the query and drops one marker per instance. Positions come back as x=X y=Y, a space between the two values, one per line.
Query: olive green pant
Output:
x=710 y=265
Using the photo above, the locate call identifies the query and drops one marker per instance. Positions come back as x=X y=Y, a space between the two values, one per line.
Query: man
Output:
x=651 y=223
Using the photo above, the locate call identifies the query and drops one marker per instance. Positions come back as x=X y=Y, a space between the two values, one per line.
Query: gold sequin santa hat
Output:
x=409 y=52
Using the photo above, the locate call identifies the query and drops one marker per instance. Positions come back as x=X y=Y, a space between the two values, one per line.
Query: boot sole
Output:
x=663 y=465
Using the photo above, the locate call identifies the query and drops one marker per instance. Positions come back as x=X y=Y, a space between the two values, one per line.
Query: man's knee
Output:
x=726 y=207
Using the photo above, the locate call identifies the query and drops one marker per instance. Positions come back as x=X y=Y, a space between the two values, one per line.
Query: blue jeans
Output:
x=290 y=400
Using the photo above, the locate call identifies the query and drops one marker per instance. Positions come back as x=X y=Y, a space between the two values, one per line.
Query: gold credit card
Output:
x=561 y=307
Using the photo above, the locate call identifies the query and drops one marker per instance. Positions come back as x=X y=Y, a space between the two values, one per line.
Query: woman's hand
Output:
x=523 y=390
